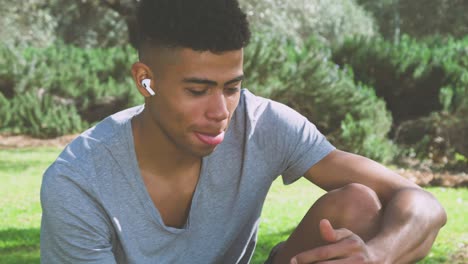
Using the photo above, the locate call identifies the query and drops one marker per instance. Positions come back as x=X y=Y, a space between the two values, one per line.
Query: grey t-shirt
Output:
x=96 y=208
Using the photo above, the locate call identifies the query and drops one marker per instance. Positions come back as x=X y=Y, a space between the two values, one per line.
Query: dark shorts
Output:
x=273 y=252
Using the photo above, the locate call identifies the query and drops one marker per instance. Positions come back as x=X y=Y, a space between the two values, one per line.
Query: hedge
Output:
x=60 y=89
x=63 y=89
x=425 y=86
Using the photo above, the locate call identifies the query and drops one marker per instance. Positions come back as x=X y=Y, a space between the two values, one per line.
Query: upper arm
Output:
x=340 y=168
x=74 y=228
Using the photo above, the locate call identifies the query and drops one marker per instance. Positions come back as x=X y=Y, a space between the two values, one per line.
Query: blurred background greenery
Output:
x=387 y=79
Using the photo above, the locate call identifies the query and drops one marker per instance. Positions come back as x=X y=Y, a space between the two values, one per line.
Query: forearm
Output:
x=411 y=221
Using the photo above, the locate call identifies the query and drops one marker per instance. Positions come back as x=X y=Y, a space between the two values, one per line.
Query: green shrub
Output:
x=350 y=114
x=90 y=23
x=40 y=115
x=5 y=115
x=361 y=136
x=415 y=78
x=57 y=90
x=91 y=83
x=419 y=18
x=425 y=85
x=440 y=138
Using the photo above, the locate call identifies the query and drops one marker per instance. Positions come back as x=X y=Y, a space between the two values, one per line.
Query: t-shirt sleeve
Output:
x=308 y=147
x=292 y=139
x=74 y=229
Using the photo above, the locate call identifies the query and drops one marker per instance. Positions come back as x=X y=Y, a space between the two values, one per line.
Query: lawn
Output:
x=20 y=212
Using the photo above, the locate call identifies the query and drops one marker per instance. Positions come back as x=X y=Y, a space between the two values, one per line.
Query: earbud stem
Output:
x=146 y=83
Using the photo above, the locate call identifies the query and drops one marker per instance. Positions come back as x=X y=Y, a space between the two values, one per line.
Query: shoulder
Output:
x=97 y=146
x=108 y=134
x=268 y=112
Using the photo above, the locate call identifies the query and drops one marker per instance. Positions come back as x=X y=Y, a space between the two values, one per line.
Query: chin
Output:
x=206 y=153
x=203 y=152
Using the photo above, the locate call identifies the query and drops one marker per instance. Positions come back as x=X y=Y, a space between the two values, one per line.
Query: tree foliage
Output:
x=419 y=18
x=26 y=22
x=330 y=21
x=105 y=23
x=91 y=23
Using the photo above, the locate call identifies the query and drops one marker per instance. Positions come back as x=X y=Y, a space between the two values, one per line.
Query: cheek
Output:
x=169 y=114
x=187 y=115
x=232 y=104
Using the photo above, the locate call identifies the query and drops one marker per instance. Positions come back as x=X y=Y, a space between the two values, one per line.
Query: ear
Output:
x=141 y=71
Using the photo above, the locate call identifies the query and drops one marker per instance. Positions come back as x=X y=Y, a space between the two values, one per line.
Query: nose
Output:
x=218 y=108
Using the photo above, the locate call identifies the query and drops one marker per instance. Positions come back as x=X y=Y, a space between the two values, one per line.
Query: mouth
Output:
x=212 y=139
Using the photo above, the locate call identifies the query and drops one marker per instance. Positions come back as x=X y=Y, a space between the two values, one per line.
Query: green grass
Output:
x=20 y=212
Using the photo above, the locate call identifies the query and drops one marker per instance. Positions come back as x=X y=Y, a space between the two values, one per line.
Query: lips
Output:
x=210 y=139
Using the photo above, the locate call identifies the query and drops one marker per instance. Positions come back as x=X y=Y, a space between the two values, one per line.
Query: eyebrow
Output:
x=211 y=82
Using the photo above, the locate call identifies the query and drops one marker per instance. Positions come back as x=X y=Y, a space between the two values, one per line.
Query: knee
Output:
x=353 y=203
x=360 y=196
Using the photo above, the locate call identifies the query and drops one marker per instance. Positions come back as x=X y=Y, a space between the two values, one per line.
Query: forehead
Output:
x=203 y=64
x=206 y=60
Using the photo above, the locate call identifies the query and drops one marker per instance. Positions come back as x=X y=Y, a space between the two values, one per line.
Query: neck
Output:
x=156 y=153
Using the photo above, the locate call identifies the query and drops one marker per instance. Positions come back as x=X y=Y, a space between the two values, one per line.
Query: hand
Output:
x=344 y=247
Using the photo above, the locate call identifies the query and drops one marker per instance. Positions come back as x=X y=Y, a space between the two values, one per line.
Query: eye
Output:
x=232 y=90
x=196 y=92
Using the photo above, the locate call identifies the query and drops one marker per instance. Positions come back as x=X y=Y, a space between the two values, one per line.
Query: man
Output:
x=182 y=179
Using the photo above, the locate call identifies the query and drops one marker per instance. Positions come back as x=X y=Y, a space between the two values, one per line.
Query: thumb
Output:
x=332 y=235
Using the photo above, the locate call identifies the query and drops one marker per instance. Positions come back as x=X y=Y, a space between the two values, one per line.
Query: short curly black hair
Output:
x=202 y=25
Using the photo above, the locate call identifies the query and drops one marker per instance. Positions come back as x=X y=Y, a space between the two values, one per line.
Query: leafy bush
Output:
x=56 y=90
x=440 y=138
x=425 y=85
x=39 y=115
x=329 y=21
x=5 y=115
x=419 y=18
x=415 y=78
x=40 y=23
x=350 y=114
x=95 y=23
x=91 y=83
x=90 y=23
x=362 y=136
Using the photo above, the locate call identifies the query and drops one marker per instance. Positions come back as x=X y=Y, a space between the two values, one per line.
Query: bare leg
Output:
x=355 y=207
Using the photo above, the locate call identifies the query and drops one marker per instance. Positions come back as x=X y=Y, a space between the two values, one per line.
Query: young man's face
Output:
x=196 y=95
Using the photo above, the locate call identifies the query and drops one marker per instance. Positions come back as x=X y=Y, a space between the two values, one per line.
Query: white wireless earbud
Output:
x=146 y=84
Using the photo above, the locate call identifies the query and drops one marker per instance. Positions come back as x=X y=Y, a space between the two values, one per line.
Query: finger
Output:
x=347 y=260
x=332 y=235
x=340 y=250
x=326 y=230
x=341 y=261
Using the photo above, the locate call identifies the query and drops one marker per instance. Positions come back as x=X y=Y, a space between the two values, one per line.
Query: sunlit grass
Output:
x=20 y=211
